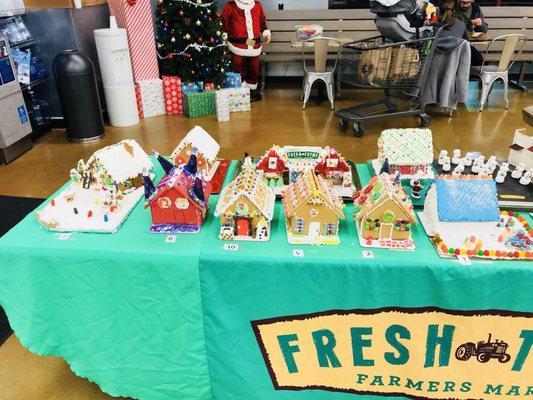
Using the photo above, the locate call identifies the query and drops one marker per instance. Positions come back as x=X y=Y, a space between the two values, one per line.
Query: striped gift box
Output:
x=136 y=18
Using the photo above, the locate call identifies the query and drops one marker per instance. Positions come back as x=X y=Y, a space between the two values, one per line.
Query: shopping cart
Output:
x=399 y=68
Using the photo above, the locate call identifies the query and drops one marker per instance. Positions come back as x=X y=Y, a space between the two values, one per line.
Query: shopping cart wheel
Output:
x=343 y=124
x=358 y=130
x=424 y=120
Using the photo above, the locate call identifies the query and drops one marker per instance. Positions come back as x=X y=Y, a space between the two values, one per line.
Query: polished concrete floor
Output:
x=278 y=119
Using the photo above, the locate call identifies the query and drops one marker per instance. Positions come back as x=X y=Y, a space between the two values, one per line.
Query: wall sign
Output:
x=423 y=353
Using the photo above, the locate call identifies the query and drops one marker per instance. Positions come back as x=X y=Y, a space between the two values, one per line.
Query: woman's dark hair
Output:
x=448 y=17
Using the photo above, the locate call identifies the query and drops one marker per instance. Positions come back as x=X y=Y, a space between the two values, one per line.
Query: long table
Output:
x=195 y=319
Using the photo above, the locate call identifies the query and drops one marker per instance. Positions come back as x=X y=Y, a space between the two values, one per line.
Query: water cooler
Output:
x=117 y=76
x=15 y=126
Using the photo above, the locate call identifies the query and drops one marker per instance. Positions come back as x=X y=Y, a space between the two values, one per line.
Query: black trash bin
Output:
x=76 y=84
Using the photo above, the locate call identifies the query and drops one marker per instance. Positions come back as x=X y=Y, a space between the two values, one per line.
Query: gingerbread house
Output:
x=333 y=167
x=119 y=165
x=273 y=165
x=464 y=203
x=207 y=150
x=406 y=151
x=384 y=214
x=312 y=210
x=246 y=208
x=521 y=150
x=179 y=202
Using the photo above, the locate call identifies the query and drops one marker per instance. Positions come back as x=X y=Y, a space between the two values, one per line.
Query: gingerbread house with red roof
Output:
x=179 y=202
x=273 y=165
x=333 y=167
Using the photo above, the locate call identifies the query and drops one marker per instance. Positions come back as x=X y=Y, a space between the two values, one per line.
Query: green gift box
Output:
x=199 y=104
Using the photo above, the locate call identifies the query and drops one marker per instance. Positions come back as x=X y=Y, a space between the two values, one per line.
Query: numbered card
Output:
x=368 y=254
x=231 y=247
x=298 y=253
x=64 y=236
x=171 y=239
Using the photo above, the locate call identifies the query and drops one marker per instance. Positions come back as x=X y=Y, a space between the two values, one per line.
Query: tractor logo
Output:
x=484 y=351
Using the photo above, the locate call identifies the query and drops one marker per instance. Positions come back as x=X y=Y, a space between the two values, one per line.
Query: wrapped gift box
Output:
x=222 y=102
x=173 y=95
x=238 y=98
x=139 y=101
x=152 y=97
x=136 y=18
x=199 y=104
x=192 y=87
x=232 y=80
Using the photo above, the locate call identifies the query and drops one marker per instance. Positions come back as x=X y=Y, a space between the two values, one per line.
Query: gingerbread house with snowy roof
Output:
x=273 y=165
x=384 y=214
x=312 y=210
x=406 y=151
x=179 y=202
x=207 y=150
x=246 y=208
x=119 y=165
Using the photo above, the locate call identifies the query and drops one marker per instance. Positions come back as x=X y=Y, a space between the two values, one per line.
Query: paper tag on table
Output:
x=298 y=253
x=171 y=239
x=231 y=247
x=367 y=254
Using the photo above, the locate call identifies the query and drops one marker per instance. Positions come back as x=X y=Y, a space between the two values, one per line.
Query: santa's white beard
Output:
x=244 y=1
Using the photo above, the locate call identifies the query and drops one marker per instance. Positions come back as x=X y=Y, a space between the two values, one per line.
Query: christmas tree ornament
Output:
x=198 y=22
x=198 y=1
x=187 y=37
x=159 y=2
x=180 y=13
x=173 y=39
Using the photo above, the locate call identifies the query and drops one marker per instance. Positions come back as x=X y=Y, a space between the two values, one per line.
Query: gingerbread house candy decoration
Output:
x=406 y=151
x=461 y=213
x=207 y=150
x=120 y=164
x=273 y=165
x=312 y=210
x=521 y=150
x=246 y=208
x=384 y=214
x=180 y=201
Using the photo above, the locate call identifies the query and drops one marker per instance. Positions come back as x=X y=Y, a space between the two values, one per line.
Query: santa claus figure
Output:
x=245 y=25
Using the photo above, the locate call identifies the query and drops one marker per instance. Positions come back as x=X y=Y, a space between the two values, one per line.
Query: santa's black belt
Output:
x=244 y=40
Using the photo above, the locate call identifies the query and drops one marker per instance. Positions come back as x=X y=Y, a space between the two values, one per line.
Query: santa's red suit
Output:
x=244 y=22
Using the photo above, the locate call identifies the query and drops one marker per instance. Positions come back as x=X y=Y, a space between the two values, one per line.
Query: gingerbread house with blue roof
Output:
x=463 y=202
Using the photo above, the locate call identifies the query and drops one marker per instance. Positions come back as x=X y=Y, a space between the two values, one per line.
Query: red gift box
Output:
x=139 y=101
x=173 y=95
x=136 y=18
x=209 y=86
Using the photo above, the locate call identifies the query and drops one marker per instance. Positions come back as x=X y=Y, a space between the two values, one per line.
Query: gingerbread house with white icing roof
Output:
x=312 y=210
x=384 y=214
x=120 y=164
x=207 y=150
x=406 y=150
x=246 y=208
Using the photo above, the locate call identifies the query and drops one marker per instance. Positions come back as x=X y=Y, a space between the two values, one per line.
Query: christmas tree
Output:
x=189 y=40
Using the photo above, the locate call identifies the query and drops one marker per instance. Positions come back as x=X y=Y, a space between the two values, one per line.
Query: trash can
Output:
x=78 y=94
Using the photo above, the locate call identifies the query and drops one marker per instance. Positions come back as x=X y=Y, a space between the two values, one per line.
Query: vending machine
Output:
x=15 y=126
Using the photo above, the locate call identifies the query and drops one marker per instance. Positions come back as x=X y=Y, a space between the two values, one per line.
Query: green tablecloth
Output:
x=136 y=315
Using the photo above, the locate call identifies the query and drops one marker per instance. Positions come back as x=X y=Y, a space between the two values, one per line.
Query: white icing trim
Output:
x=249 y=52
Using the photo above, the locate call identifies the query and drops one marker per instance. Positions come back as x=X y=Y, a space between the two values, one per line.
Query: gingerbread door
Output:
x=243 y=227
x=386 y=231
